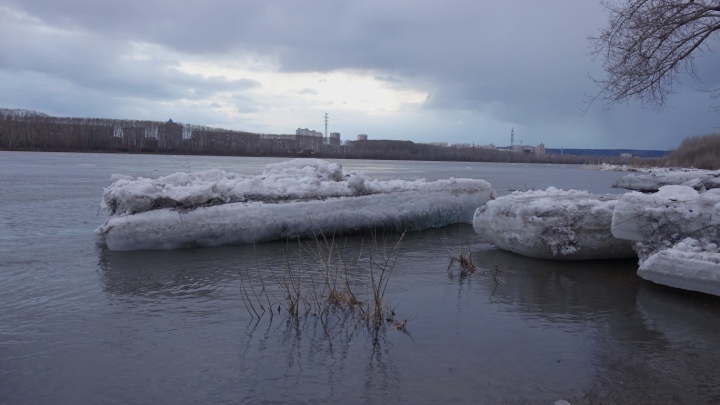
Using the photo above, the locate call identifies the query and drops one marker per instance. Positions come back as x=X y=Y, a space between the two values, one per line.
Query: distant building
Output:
x=334 y=139
x=626 y=155
x=441 y=144
x=533 y=150
x=308 y=132
x=362 y=137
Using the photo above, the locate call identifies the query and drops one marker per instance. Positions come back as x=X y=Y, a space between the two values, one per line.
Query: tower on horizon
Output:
x=512 y=138
x=326 y=121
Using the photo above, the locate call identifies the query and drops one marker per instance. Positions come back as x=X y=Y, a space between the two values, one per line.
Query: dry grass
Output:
x=466 y=266
x=465 y=262
x=320 y=278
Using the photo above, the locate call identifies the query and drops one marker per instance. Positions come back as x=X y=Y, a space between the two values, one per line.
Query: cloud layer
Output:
x=458 y=71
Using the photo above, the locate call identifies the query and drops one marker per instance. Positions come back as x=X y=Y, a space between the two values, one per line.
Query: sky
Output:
x=456 y=71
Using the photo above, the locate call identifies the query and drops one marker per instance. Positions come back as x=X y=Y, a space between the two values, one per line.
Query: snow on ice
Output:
x=297 y=198
x=552 y=224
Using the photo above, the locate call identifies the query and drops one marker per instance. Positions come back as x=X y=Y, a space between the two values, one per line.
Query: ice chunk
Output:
x=689 y=264
x=660 y=220
x=657 y=178
x=288 y=200
x=299 y=179
x=295 y=179
x=552 y=224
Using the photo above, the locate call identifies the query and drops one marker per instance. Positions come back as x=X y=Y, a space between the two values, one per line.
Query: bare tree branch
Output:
x=648 y=44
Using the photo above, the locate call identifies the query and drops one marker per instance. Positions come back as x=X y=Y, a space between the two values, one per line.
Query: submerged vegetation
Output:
x=463 y=266
x=323 y=279
x=465 y=263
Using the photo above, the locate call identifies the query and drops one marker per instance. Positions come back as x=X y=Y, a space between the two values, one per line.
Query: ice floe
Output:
x=298 y=198
x=689 y=264
x=552 y=224
x=676 y=233
x=659 y=220
x=656 y=178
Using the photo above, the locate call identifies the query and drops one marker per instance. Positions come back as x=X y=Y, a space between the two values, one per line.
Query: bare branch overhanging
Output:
x=648 y=44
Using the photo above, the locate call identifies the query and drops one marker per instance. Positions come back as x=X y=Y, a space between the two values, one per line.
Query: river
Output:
x=81 y=324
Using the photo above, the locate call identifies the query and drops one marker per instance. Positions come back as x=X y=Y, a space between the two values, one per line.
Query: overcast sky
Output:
x=424 y=70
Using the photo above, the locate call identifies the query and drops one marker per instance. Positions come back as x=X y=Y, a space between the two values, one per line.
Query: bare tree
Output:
x=648 y=44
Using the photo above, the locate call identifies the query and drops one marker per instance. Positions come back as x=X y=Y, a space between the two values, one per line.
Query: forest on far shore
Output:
x=702 y=152
x=25 y=130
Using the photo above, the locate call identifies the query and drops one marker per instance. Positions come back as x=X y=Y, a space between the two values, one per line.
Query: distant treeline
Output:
x=702 y=152
x=26 y=130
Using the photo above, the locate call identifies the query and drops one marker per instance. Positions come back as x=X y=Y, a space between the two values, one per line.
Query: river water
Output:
x=80 y=324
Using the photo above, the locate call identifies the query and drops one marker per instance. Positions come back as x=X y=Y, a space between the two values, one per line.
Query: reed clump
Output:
x=465 y=262
x=466 y=266
x=324 y=278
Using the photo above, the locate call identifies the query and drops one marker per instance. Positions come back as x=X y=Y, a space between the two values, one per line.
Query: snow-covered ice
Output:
x=689 y=264
x=677 y=231
x=607 y=167
x=659 y=220
x=656 y=178
x=552 y=224
x=297 y=198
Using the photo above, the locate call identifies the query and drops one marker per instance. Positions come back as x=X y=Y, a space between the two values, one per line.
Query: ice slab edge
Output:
x=552 y=224
x=680 y=268
x=672 y=210
x=659 y=220
x=705 y=179
x=256 y=222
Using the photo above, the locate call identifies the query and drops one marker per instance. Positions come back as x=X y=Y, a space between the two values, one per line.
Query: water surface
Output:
x=80 y=324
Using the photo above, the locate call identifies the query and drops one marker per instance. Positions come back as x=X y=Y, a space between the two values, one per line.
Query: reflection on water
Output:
x=652 y=344
x=309 y=362
x=176 y=274
x=589 y=332
x=564 y=290
x=307 y=359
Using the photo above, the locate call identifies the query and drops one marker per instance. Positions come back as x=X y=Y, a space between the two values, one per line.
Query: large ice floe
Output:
x=653 y=179
x=297 y=198
x=676 y=233
x=552 y=224
x=659 y=220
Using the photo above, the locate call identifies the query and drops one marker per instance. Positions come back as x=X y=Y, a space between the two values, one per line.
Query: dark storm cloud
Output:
x=99 y=64
x=515 y=61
